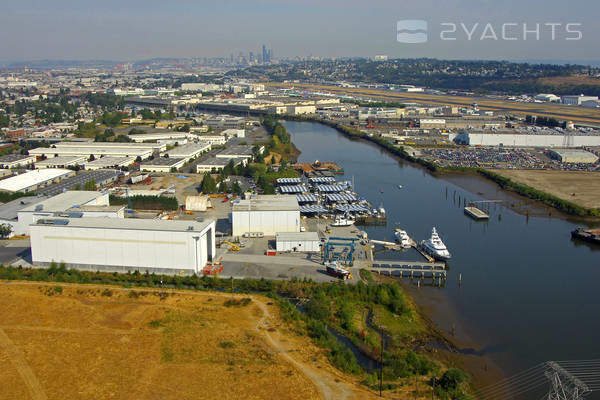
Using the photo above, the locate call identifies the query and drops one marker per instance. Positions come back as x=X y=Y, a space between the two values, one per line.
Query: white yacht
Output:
x=342 y=221
x=402 y=238
x=435 y=247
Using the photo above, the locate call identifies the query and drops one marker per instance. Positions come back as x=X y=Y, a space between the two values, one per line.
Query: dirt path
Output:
x=18 y=361
x=327 y=385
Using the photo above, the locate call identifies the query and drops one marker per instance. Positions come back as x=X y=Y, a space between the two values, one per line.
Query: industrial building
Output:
x=16 y=161
x=22 y=212
x=490 y=138
x=108 y=162
x=212 y=163
x=239 y=133
x=121 y=245
x=215 y=140
x=33 y=180
x=162 y=164
x=267 y=215
x=61 y=162
x=238 y=151
x=189 y=151
x=167 y=135
x=577 y=100
x=97 y=152
x=154 y=147
x=573 y=156
x=308 y=242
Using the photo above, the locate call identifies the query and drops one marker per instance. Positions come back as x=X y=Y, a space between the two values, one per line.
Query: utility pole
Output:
x=381 y=365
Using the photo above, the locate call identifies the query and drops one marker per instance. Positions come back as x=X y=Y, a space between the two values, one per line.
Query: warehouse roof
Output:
x=9 y=158
x=128 y=224
x=268 y=203
x=238 y=150
x=297 y=236
x=62 y=160
x=32 y=178
x=212 y=161
x=109 y=161
x=162 y=161
x=9 y=210
x=100 y=176
x=188 y=149
x=64 y=201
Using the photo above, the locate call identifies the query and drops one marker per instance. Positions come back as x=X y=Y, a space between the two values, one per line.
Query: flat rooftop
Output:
x=235 y=151
x=13 y=158
x=62 y=160
x=63 y=201
x=8 y=211
x=268 y=203
x=32 y=178
x=109 y=161
x=219 y=162
x=127 y=224
x=161 y=161
x=188 y=149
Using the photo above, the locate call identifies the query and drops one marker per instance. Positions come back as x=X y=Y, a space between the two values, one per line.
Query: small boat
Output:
x=589 y=235
x=402 y=238
x=334 y=269
x=435 y=247
x=399 y=186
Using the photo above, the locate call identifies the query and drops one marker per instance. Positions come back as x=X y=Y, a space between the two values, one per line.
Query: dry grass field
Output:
x=100 y=342
x=581 y=188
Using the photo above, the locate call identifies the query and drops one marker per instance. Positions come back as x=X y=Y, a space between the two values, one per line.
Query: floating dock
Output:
x=476 y=213
x=410 y=269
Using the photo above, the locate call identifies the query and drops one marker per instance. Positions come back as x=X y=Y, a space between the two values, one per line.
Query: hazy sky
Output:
x=138 y=29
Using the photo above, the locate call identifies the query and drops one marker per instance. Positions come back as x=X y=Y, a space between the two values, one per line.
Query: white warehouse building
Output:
x=306 y=242
x=268 y=215
x=121 y=245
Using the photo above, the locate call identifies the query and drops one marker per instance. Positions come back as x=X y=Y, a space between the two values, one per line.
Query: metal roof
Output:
x=8 y=211
x=188 y=150
x=312 y=209
x=337 y=197
x=161 y=161
x=289 y=181
x=352 y=208
x=322 y=179
x=330 y=188
x=293 y=189
x=307 y=198
x=134 y=224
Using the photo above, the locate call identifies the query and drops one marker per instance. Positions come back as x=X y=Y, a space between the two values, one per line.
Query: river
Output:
x=529 y=294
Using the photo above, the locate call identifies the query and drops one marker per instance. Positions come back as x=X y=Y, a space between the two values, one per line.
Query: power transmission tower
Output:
x=563 y=384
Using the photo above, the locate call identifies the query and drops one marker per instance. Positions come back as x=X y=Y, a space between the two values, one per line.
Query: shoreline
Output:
x=565 y=209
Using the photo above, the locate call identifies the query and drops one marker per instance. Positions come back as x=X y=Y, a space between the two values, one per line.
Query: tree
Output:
x=452 y=379
x=91 y=158
x=208 y=184
x=236 y=188
x=90 y=185
x=5 y=230
x=223 y=188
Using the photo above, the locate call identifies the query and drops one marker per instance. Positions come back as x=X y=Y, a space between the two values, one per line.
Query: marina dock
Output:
x=476 y=213
x=410 y=269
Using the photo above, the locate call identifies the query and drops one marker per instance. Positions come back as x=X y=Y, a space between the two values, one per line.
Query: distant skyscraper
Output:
x=270 y=54
x=265 y=55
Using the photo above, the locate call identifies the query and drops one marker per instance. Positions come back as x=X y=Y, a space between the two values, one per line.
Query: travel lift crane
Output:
x=346 y=255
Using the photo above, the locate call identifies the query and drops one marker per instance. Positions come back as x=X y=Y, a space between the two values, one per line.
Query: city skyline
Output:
x=69 y=30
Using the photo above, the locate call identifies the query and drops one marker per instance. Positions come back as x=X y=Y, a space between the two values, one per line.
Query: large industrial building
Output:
x=213 y=163
x=16 y=161
x=121 y=245
x=61 y=162
x=573 y=156
x=189 y=151
x=162 y=164
x=490 y=138
x=266 y=215
x=33 y=180
x=109 y=162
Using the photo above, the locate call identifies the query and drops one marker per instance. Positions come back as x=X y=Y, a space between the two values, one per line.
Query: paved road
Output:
x=8 y=254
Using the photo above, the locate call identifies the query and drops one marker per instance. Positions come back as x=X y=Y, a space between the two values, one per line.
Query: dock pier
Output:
x=410 y=269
